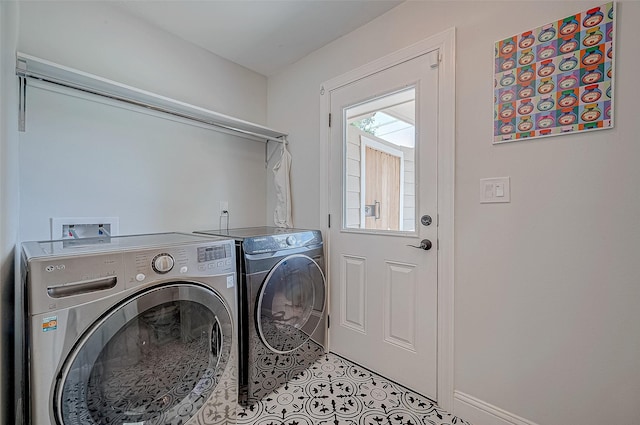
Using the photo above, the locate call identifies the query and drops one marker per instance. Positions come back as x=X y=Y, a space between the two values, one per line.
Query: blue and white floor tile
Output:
x=335 y=391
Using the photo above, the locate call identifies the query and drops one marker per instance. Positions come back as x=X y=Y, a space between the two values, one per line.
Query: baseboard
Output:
x=478 y=412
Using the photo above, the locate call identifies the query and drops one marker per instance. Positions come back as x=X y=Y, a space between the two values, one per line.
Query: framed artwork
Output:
x=555 y=79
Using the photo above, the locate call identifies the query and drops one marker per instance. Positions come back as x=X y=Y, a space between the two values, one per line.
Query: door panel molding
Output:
x=444 y=42
x=400 y=309
x=353 y=311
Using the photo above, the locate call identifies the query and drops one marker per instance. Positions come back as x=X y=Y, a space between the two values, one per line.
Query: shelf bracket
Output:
x=267 y=156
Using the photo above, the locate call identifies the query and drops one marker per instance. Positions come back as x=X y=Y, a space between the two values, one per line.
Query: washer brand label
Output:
x=49 y=323
x=53 y=267
x=229 y=281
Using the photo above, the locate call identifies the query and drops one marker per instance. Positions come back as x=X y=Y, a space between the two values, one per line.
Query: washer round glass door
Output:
x=154 y=359
x=290 y=303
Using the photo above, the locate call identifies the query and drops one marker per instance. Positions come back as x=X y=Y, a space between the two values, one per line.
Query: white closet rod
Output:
x=24 y=73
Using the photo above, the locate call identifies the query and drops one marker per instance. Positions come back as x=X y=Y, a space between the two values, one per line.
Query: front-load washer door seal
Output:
x=155 y=358
x=291 y=303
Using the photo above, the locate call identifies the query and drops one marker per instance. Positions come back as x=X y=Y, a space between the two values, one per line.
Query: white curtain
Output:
x=282 y=182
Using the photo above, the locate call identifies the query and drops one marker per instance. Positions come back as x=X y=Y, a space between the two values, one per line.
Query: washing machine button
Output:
x=140 y=277
x=183 y=269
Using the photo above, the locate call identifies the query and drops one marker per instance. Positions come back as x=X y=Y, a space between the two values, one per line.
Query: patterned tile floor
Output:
x=335 y=391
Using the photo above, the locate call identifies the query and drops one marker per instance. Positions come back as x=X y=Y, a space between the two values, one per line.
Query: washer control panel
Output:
x=64 y=277
x=213 y=253
x=181 y=262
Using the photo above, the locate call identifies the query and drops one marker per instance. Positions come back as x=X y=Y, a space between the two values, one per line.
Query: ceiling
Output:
x=262 y=35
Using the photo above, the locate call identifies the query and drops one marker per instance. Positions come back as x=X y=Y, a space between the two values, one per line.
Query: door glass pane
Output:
x=379 y=169
x=291 y=303
x=157 y=367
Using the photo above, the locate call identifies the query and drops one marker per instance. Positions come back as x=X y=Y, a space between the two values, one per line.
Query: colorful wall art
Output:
x=556 y=79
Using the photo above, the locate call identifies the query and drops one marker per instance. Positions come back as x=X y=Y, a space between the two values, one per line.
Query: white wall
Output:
x=80 y=158
x=547 y=324
x=9 y=199
x=98 y=38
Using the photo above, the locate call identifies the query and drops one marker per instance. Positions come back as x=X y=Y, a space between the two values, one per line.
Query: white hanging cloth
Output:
x=282 y=182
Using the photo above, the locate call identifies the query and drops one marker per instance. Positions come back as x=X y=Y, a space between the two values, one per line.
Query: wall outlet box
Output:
x=84 y=227
x=495 y=190
x=224 y=206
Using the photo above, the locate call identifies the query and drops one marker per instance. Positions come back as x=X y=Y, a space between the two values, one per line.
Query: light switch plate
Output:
x=495 y=190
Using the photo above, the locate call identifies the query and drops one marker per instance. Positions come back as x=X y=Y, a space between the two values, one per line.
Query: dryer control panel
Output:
x=279 y=242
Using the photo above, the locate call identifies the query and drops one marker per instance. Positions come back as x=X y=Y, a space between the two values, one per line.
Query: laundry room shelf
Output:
x=36 y=69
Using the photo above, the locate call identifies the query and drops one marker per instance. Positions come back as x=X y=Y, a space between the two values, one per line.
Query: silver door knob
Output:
x=424 y=244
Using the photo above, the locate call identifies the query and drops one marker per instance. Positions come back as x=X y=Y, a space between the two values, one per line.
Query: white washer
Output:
x=131 y=330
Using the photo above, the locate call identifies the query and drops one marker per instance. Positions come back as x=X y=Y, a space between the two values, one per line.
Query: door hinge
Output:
x=329 y=120
x=435 y=60
x=328 y=321
x=329 y=221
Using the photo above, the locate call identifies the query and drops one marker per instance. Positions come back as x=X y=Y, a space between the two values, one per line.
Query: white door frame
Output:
x=445 y=42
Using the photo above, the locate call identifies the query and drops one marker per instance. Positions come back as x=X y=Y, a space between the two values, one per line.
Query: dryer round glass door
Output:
x=155 y=358
x=290 y=303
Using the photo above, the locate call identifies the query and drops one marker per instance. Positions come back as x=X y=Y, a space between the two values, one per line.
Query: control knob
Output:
x=162 y=263
x=291 y=240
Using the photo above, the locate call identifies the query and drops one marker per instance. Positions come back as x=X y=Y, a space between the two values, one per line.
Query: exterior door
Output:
x=383 y=297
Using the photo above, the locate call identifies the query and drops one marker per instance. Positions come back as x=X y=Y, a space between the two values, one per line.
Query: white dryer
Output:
x=131 y=330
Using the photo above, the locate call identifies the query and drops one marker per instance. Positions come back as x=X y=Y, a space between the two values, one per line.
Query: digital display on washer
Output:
x=210 y=253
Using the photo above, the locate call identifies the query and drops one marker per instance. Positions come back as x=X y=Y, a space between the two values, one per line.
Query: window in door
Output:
x=379 y=190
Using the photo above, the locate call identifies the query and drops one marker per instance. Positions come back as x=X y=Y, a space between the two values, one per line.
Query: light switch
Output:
x=488 y=190
x=495 y=189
